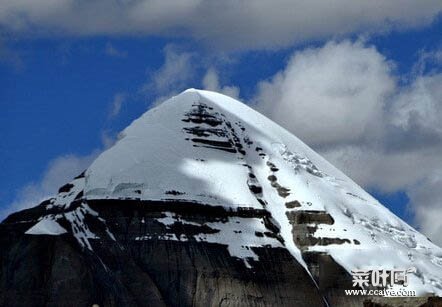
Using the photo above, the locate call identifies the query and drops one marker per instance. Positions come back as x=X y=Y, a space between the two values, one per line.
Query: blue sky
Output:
x=67 y=88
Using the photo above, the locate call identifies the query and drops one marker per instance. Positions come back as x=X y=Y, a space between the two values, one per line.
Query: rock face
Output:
x=126 y=269
x=48 y=270
x=205 y=202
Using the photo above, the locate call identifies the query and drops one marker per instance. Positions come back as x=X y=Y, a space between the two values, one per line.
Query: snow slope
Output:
x=205 y=147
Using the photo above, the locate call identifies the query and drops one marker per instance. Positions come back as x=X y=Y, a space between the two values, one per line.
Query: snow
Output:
x=80 y=229
x=75 y=217
x=65 y=199
x=238 y=234
x=46 y=227
x=232 y=156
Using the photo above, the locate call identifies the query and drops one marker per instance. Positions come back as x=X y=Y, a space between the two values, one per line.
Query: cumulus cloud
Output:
x=409 y=148
x=345 y=101
x=59 y=171
x=333 y=94
x=251 y=24
x=211 y=83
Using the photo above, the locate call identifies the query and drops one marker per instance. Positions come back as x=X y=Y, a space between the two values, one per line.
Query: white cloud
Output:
x=211 y=83
x=427 y=194
x=228 y=24
x=343 y=99
x=332 y=94
x=420 y=105
x=408 y=156
x=59 y=171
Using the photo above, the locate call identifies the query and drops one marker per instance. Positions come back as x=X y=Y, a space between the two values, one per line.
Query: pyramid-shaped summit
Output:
x=204 y=201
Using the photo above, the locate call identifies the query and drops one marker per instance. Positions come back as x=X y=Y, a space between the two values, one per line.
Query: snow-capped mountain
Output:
x=207 y=171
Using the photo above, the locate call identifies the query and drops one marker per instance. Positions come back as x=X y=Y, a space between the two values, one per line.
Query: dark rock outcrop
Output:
x=45 y=270
x=142 y=268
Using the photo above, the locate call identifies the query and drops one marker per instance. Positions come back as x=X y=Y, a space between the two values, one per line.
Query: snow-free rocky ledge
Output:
x=203 y=170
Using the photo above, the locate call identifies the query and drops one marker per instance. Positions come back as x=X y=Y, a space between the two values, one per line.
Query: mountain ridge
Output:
x=206 y=171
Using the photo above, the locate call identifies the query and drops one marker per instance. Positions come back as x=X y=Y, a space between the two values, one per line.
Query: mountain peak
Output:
x=258 y=186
